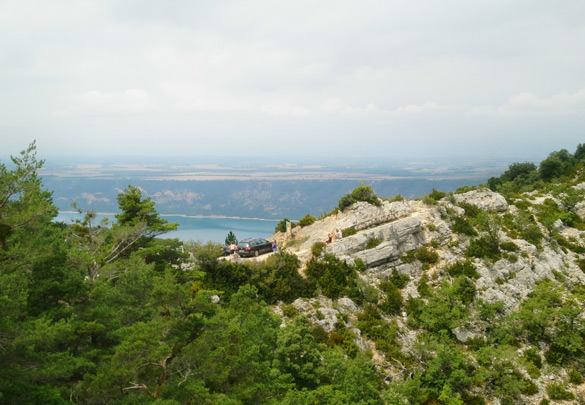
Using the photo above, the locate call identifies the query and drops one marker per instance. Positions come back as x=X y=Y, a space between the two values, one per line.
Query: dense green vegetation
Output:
x=106 y=313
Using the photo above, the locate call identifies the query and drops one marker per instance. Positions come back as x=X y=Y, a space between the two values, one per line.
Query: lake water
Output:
x=202 y=229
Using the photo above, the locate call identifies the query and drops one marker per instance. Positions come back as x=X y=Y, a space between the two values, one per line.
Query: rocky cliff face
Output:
x=404 y=227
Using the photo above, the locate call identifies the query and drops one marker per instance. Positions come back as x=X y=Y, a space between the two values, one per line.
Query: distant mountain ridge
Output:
x=245 y=198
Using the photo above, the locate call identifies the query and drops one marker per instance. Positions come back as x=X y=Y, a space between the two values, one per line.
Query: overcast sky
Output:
x=332 y=78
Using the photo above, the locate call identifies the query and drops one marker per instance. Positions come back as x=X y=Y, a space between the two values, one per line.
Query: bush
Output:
x=368 y=292
x=437 y=195
x=483 y=248
x=361 y=193
x=558 y=392
x=399 y=280
x=423 y=288
x=372 y=243
x=289 y=311
x=527 y=387
x=461 y=226
x=471 y=211
x=359 y=265
x=575 y=377
x=281 y=226
x=509 y=246
x=465 y=268
x=581 y=264
x=320 y=335
x=397 y=197
x=348 y=231
x=463 y=289
x=393 y=302
x=464 y=189
x=425 y=255
x=336 y=278
x=428 y=200
x=306 y=220
x=317 y=248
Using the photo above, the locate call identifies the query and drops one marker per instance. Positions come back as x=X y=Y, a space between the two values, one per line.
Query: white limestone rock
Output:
x=484 y=199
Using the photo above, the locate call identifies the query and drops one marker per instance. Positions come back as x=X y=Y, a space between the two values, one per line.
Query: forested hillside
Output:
x=473 y=297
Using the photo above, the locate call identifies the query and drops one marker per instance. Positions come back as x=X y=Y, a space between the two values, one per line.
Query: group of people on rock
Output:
x=333 y=236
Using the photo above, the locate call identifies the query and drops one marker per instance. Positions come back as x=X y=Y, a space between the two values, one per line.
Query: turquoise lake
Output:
x=203 y=229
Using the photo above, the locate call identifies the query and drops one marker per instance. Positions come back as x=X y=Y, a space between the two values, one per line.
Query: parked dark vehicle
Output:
x=254 y=247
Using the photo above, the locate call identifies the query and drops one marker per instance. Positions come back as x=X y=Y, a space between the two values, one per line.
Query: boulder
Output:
x=382 y=253
x=484 y=199
x=463 y=335
x=403 y=234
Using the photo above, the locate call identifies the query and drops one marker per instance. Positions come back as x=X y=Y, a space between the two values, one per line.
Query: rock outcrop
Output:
x=401 y=229
x=484 y=199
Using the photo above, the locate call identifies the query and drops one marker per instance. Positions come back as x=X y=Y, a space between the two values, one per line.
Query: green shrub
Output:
x=348 y=231
x=360 y=193
x=399 y=280
x=408 y=257
x=532 y=370
x=281 y=225
x=437 y=195
x=414 y=308
x=522 y=205
x=397 y=197
x=372 y=243
x=317 y=248
x=335 y=277
x=532 y=356
x=466 y=268
x=428 y=200
x=289 y=311
x=488 y=311
x=575 y=377
x=423 y=288
x=527 y=387
x=463 y=289
x=471 y=211
x=509 y=246
x=334 y=211
x=469 y=399
x=320 y=335
x=483 y=247
x=368 y=291
x=581 y=264
x=295 y=243
x=461 y=226
x=425 y=255
x=510 y=257
x=465 y=189
x=557 y=391
x=306 y=220
x=359 y=265
x=393 y=302
x=344 y=338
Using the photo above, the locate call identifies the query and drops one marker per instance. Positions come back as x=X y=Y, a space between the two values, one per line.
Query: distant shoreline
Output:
x=183 y=216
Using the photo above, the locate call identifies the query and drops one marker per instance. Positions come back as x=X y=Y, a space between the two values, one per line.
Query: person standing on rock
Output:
x=338 y=233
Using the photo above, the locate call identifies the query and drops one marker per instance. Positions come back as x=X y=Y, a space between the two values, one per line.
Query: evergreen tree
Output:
x=231 y=237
